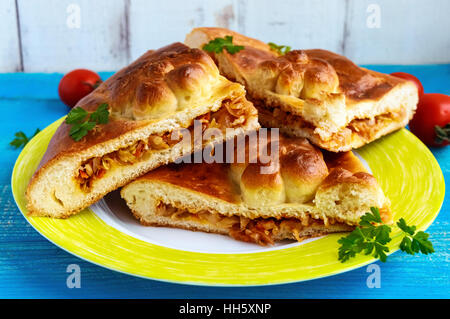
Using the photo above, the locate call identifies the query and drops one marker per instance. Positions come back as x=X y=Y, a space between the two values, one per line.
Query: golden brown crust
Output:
x=62 y=145
x=357 y=83
x=318 y=92
x=345 y=160
x=260 y=188
x=155 y=78
x=314 y=67
x=299 y=162
x=253 y=178
x=238 y=38
x=301 y=171
x=185 y=196
x=117 y=91
x=210 y=179
x=299 y=158
x=134 y=91
x=340 y=175
x=294 y=74
x=162 y=91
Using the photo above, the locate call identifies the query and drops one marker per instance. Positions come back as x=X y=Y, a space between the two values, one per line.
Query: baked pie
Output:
x=158 y=95
x=316 y=94
x=306 y=193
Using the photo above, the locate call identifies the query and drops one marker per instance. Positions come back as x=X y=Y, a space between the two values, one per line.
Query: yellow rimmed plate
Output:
x=404 y=167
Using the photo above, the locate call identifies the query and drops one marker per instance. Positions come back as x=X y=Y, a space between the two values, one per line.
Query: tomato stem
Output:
x=442 y=133
x=95 y=85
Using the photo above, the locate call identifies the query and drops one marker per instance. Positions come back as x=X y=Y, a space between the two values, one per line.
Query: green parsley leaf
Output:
x=369 y=218
x=81 y=124
x=381 y=234
x=406 y=245
x=79 y=130
x=21 y=139
x=407 y=229
x=351 y=245
x=76 y=115
x=421 y=238
x=280 y=49
x=380 y=251
x=372 y=235
x=218 y=44
x=366 y=238
x=100 y=116
x=413 y=242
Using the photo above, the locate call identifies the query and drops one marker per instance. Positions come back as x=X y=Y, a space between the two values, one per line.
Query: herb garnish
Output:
x=21 y=139
x=218 y=44
x=414 y=242
x=82 y=124
x=367 y=238
x=370 y=239
x=281 y=49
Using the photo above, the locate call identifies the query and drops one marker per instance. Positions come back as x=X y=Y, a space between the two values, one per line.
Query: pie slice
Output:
x=306 y=193
x=155 y=98
x=316 y=94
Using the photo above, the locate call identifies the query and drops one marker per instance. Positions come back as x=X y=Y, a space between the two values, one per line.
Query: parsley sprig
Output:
x=281 y=49
x=366 y=238
x=414 y=242
x=218 y=44
x=372 y=236
x=21 y=139
x=82 y=121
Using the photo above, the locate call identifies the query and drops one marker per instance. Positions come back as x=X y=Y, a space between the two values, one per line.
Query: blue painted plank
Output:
x=39 y=86
x=31 y=267
x=435 y=78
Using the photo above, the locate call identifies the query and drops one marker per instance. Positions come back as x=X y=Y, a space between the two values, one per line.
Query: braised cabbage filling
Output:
x=96 y=168
x=228 y=116
x=365 y=128
x=262 y=231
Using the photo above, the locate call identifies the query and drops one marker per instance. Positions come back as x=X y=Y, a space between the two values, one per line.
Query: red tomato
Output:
x=77 y=84
x=433 y=109
x=410 y=77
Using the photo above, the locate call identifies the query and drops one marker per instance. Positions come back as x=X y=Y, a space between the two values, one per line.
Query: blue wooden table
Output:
x=32 y=267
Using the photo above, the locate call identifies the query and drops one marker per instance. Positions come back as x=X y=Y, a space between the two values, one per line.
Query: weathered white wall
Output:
x=153 y=24
x=49 y=37
x=49 y=44
x=10 y=60
x=411 y=32
x=300 y=24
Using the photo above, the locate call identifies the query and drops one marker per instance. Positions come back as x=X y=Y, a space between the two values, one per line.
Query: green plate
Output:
x=404 y=167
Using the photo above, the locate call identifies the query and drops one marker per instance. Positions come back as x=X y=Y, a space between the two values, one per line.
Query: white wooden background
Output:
x=60 y=35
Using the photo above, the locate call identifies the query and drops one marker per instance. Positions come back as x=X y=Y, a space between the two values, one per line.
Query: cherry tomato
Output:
x=433 y=110
x=77 y=84
x=410 y=77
